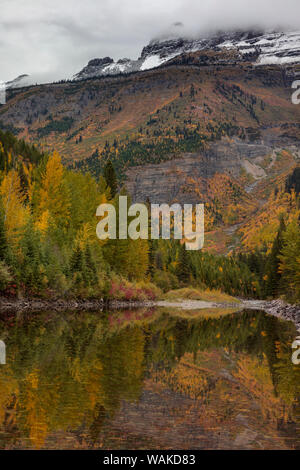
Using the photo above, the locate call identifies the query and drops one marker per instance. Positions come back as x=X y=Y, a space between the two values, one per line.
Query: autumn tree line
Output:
x=279 y=270
x=49 y=248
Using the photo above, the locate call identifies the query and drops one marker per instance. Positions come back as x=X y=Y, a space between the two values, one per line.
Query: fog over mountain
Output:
x=51 y=40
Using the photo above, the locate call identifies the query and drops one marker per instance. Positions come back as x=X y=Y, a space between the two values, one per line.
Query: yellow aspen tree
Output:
x=28 y=172
x=43 y=222
x=53 y=195
x=9 y=159
x=15 y=212
x=84 y=235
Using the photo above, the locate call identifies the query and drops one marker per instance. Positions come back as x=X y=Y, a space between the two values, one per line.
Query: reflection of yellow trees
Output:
x=8 y=389
x=122 y=357
x=186 y=379
x=92 y=382
x=60 y=393
x=68 y=373
x=255 y=375
x=35 y=410
x=288 y=377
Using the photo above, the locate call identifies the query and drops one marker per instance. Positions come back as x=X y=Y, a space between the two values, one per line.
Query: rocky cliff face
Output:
x=179 y=180
x=105 y=66
x=258 y=47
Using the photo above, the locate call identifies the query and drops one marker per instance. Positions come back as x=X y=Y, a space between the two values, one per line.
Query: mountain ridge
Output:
x=259 y=48
x=253 y=46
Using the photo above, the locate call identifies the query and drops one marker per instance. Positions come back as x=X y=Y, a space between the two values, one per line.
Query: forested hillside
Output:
x=155 y=115
x=48 y=243
x=226 y=136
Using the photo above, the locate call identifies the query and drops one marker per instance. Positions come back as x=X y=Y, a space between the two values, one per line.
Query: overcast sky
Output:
x=53 y=39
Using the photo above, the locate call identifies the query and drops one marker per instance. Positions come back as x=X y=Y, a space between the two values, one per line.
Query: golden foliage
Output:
x=53 y=195
x=15 y=212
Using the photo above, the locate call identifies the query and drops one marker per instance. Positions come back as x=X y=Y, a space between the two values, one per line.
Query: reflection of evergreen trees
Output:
x=272 y=335
x=252 y=333
x=67 y=370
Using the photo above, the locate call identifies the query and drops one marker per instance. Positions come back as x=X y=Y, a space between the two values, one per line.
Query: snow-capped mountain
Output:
x=272 y=48
x=260 y=48
x=20 y=81
x=106 y=66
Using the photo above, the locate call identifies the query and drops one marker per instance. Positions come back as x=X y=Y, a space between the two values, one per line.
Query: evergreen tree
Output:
x=151 y=258
x=91 y=270
x=273 y=275
x=293 y=181
x=77 y=260
x=183 y=269
x=290 y=261
x=3 y=242
x=31 y=268
x=159 y=260
x=24 y=181
x=151 y=250
x=110 y=178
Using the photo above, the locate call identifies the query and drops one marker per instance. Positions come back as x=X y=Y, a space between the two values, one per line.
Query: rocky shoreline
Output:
x=35 y=305
x=278 y=308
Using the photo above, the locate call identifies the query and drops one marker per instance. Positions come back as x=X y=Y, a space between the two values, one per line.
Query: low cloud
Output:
x=53 y=39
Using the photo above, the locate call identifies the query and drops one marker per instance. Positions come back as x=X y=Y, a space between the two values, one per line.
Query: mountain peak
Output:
x=20 y=81
x=99 y=62
x=256 y=46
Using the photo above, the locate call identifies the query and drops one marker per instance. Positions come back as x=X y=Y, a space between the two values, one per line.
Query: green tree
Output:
x=273 y=275
x=3 y=242
x=110 y=178
x=290 y=260
x=77 y=260
x=91 y=270
x=151 y=258
x=32 y=270
x=183 y=269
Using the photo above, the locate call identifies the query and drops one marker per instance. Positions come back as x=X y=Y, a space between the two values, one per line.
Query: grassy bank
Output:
x=207 y=295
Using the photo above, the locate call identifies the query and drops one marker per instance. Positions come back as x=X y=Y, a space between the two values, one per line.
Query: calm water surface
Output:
x=151 y=379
